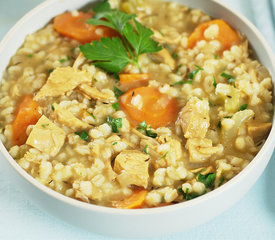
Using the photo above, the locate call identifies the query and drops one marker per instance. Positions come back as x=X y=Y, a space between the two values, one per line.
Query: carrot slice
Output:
x=227 y=36
x=149 y=105
x=133 y=80
x=25 y=115
x=76 y=27
x=136 y=200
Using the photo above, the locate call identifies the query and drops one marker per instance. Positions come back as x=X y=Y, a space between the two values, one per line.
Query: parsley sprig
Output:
x=113 y=54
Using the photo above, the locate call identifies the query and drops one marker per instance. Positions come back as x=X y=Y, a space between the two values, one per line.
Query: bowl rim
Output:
x=270 y=141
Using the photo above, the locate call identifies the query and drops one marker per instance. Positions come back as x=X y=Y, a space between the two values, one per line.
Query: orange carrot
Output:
x=155 y=108
x=76 y=27
x=25 y=115
x=136 y=200
x=227 y=36
x=133 y=80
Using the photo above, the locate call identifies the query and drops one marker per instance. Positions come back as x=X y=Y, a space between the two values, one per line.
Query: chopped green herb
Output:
x=216 y=56
x=183 y=82
x=163 y=156
x=219 y=125
x=178 y=68
x=114 y=143
x=115 y=123
x=210 y=104
x=83 y=135
x=192 y=74
x=143 y=127
x=115 y=106
x=214 y=82
x=229 y=78
x=95 y=80
x=50 y=70
x=117 y=92
x=243 y=107
x=30 y=55
x=227 y=117
x=62 y=60
x=187 y=195
x=93 y=116
x=45 y=125
x=68 y=57
x=221 y=181
x=208 y=179
x=113 y=54
x=52 y=106
x=175 y=56
x=146 y=149
x=151 y=134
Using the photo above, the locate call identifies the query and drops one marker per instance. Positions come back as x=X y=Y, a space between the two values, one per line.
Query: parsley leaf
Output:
x=115 y=123
x=208 y=179
x=83 y=135
x=140 y=40
x=117 y=92
x=108 y=54
x=103 y=6
x=243 y=107
x=192 y=74
x=116 y=19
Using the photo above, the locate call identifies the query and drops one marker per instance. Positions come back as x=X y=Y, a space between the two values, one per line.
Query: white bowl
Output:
x=139 y=222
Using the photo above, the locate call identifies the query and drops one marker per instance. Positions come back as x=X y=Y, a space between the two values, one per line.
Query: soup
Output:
x=135 y=104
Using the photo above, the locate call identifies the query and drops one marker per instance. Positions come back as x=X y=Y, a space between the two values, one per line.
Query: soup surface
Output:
x=135 y=104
